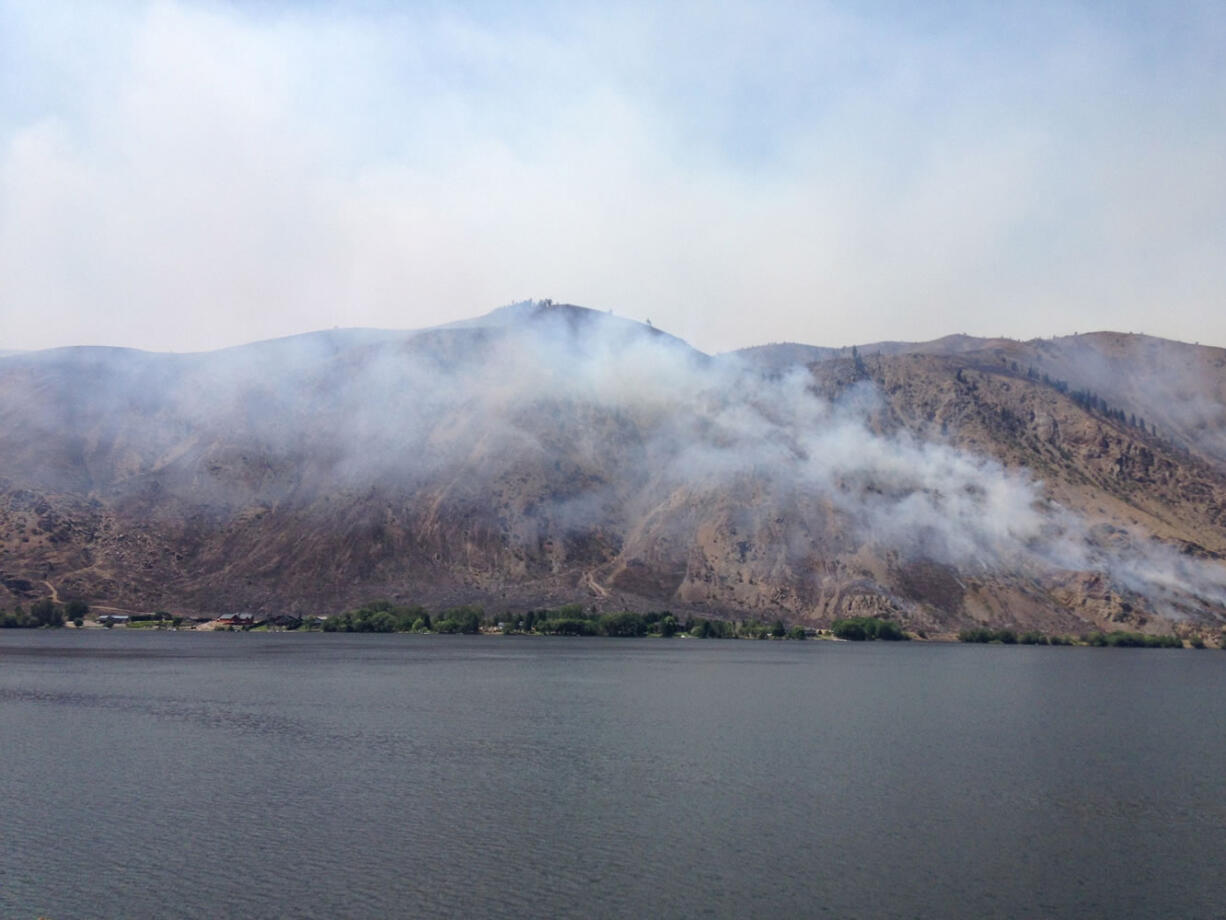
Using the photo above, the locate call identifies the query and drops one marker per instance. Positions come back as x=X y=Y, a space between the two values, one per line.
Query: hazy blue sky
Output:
x=186 y=175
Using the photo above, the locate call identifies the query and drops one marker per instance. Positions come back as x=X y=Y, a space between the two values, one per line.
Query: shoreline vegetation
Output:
x=568 y=620
x=1116 y=639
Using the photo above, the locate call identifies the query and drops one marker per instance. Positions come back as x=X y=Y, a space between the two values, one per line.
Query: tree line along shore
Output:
x=568 y=620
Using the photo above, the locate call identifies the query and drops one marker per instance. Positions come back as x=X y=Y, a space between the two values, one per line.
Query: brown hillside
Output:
x=552 y=454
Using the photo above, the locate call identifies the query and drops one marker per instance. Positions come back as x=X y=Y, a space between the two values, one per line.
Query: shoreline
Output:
x=1098 y=640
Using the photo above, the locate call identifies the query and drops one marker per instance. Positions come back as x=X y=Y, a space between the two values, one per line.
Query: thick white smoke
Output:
x=615 y=418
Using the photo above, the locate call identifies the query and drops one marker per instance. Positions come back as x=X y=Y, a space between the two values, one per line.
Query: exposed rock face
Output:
x=545 y=454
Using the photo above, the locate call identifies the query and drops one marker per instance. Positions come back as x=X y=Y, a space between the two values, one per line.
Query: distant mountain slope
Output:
x=545 y=454
x=1177 y=386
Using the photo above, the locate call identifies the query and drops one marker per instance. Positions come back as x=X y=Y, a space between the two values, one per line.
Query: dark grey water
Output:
x=245 y=775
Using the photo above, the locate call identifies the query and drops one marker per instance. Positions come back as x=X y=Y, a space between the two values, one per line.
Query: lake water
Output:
x=290 y=775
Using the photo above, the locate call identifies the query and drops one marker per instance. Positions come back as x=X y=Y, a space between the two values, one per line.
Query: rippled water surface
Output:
x=254 y=775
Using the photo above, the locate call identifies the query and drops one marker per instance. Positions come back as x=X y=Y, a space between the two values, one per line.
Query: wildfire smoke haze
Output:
x=198 y=175
x=548 y=453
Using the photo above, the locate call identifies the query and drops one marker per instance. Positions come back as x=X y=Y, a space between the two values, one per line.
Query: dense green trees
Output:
x=42 y=613
x=666 y=625
x=466 y=620
x=383 y=616
x=711 y=629
x=573 y=620
x=622 y=625
x=867 y=629
x=566 y=626
x=378 y=616
x=1119 y=638
x=47 y=613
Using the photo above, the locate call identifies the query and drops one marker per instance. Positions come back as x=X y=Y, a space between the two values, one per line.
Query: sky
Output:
x=193 y=174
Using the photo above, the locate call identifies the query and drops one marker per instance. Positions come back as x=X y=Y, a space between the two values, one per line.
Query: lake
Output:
x=147 y=774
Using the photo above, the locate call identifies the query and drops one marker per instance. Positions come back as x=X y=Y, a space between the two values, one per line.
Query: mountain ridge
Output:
x=555 y=454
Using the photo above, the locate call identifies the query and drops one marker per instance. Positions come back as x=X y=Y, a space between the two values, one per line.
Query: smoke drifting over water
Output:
x=570 y=422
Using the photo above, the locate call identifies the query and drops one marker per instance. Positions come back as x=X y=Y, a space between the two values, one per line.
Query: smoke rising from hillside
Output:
x=703 y=426
x=573 y=421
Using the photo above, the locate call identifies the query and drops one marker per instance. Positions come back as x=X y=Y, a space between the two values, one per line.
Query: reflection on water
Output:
x=151 y=775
